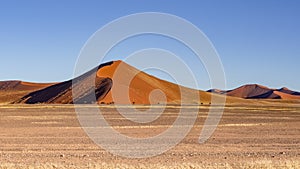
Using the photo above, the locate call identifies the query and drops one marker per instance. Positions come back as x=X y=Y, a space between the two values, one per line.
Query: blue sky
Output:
x=257 y=41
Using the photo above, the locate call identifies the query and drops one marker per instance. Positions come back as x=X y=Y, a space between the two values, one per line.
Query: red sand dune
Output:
x=287 y=96
x=288 y=91
x=120 y=83
x=20 y=85
x=132 y=86
x=139 y=88
x=252 y=91
x=13 y=90
x=117 y=82
x=255 y=91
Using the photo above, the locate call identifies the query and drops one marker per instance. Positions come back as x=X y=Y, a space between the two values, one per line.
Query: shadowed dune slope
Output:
x=61 y=93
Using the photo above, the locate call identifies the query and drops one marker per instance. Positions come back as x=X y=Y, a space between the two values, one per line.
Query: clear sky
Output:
x=258 y=41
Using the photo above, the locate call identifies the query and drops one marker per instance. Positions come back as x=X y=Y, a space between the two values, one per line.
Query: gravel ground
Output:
x=252 y=136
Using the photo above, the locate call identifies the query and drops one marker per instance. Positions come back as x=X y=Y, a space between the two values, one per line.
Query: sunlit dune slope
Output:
x=132 y=86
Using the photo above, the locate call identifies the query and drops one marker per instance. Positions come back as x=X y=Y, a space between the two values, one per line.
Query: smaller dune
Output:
x=287 y=96
x=14 y=90
x=288 y=91
x=21 y=85
x=255 y=91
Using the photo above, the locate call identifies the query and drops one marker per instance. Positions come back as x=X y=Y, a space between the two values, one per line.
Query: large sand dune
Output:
x=119 y=83
x=131 y=85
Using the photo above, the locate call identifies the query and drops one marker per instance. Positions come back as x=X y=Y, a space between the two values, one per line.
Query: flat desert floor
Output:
x=248 y=136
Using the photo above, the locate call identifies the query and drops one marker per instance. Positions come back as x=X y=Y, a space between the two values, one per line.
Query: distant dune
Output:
x=13 y=90
x=217 y=91
x=20 y=85
x=117 y=82
x=255 y=91
x=288 y=91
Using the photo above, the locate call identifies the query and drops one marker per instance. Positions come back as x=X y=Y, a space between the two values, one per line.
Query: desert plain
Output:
x=259 y=134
